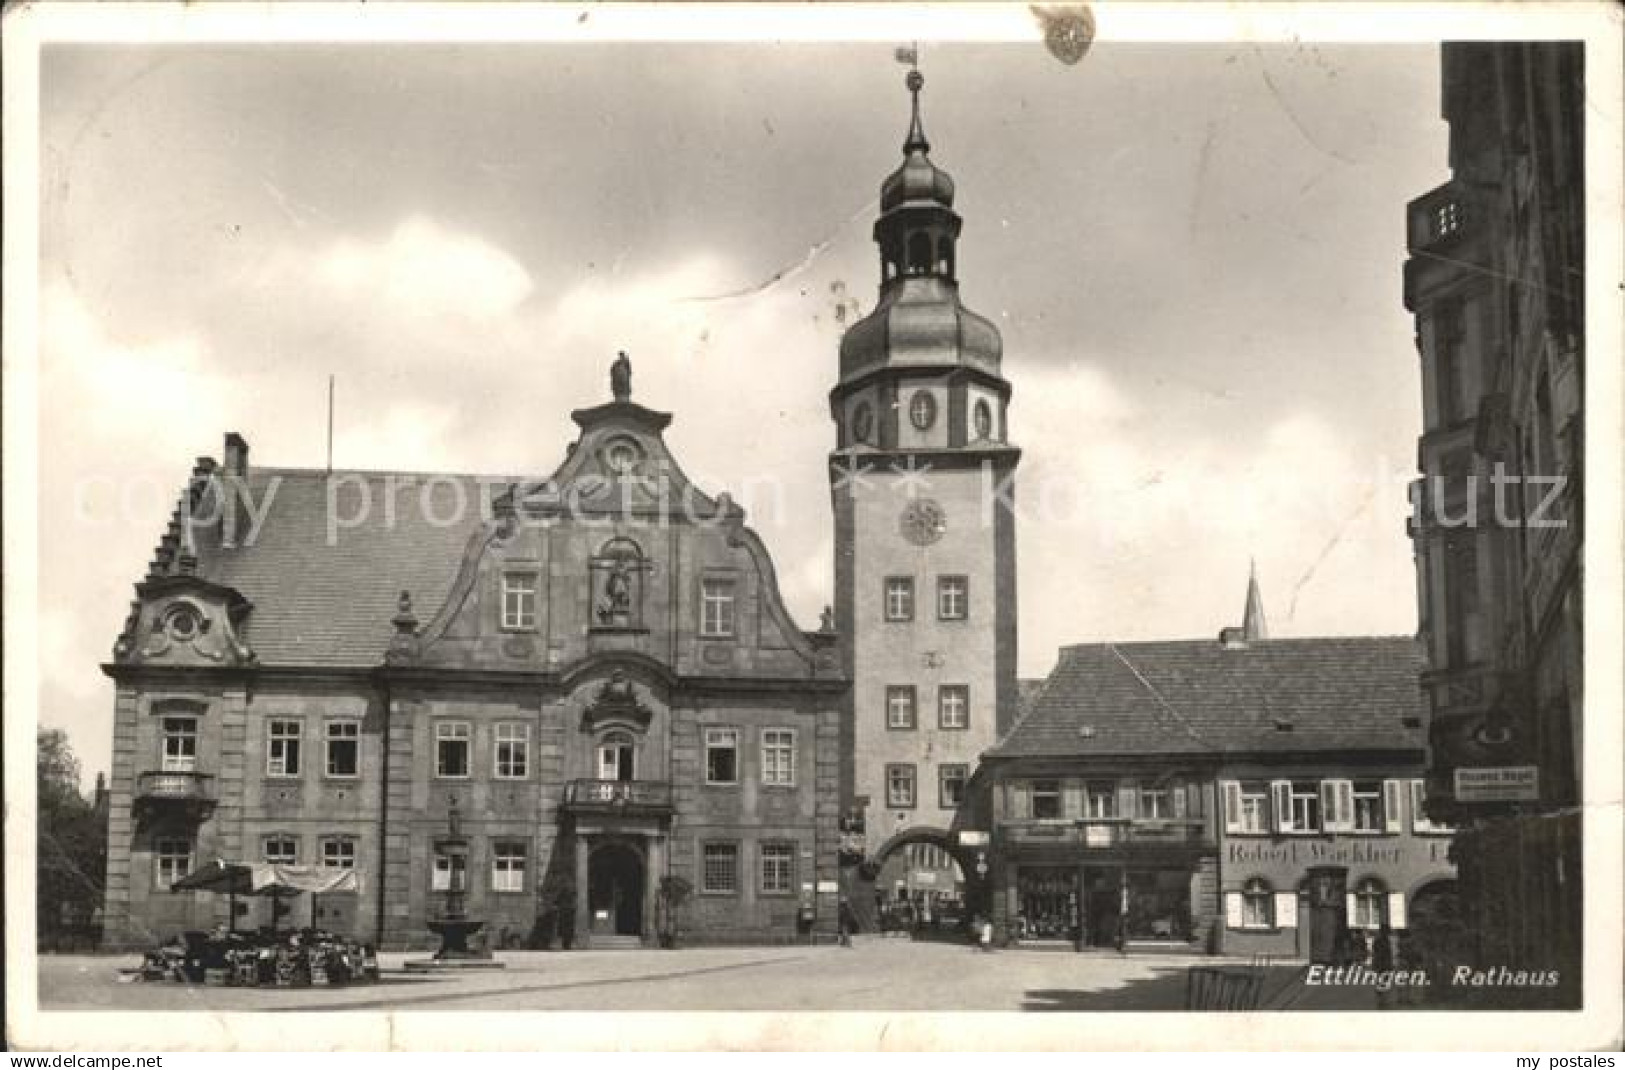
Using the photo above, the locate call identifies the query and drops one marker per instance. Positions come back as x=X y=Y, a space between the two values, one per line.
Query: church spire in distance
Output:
x=1253 y=625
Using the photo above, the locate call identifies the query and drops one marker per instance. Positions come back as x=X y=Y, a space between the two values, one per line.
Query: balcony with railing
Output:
x=618 y=797
x=186 y=794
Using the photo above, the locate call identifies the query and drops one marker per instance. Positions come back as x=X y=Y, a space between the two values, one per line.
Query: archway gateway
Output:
x=920 y=878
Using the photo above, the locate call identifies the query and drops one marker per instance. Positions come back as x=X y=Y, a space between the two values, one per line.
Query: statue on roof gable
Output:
x=620 y=377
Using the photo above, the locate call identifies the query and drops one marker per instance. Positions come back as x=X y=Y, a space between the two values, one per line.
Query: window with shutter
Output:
x=1232 y=805
x=1286 y=910
x=1181 y=807
x=1344 y=791
x=1420 y=822
x=1020 y=802
x=1392 y=811
x=1332 y=821
x=1233 y=917
x=1396 y=910
x=1281 y=800
x=1351 y=907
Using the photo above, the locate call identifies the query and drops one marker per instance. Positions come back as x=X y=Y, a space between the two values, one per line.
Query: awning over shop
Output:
x=261 y=878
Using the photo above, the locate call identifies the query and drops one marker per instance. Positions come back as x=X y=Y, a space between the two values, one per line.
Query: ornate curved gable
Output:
x=610 y=554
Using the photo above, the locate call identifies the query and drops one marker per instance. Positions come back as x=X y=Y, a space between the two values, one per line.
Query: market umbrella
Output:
x=263 y=878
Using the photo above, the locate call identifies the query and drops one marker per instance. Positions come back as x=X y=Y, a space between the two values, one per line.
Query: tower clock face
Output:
x=922 y=522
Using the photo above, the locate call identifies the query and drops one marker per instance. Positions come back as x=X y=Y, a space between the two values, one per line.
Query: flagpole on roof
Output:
x=329 y=424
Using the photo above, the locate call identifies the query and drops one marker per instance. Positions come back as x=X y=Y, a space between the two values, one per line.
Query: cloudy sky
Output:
x=1193 y=253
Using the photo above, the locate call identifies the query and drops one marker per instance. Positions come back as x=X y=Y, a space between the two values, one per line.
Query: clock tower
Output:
x=921 y=479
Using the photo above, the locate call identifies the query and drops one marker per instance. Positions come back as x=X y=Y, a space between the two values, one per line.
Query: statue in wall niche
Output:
x=615 y=607
x=620 y=377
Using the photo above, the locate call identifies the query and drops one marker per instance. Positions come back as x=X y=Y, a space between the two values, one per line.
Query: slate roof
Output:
x=328 y=602
x=1199 y=697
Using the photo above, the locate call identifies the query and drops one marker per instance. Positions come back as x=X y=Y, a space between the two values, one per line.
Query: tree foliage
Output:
x=71 y=843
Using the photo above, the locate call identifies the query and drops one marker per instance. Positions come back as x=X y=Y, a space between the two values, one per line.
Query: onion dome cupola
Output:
x=919 y=331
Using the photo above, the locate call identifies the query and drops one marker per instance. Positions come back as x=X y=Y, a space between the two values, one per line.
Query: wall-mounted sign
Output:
x=1506 y=783
x=972 y=839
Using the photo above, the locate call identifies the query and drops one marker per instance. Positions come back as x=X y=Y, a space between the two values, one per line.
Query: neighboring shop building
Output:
x=1247 y=795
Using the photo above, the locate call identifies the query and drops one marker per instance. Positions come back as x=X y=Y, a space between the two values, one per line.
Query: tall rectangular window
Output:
x=953 y=706
x=512 y=751
x=519 y=601
x=1254 y=808
x=282 y=749
x=338 y=852
x=343 y=748
x=900 y=793
x=1155 y=804
x=951 y=786
x=1463 y=626
x=452 y=741
x=953 y=597
x=508 y=867
x=180 y=744
x=1448 y=331
x=172 y=860
x=1304 y=801
x=719 y=871
x=1368 y=806
x=448 y=864
x=779 y=756
x=717 y=608
x=281 y=850
x=899 y=598
x=900 y=703
x=1046 y=799
x=778 y=868
x=722 y=755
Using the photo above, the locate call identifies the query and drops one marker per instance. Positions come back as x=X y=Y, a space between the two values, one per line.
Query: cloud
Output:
x=422 y=270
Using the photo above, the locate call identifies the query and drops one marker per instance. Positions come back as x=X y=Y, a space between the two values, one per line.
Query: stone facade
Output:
x=604 y=692
x=1495 y=278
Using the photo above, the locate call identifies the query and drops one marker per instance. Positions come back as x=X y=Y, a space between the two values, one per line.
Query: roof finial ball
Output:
x=620 y=377
x=915 y=81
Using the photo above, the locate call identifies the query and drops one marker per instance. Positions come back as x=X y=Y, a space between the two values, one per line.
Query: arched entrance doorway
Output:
x=615 y=876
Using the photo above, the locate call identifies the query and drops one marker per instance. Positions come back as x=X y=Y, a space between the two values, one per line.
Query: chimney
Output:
x=233 y=473
x=236 y=455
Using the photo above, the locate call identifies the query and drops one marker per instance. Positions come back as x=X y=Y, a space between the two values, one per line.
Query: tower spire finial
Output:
x=916 y=130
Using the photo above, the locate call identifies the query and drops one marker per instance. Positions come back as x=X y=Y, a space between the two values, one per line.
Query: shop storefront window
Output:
x=1049 y=903
x=1159 y=904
